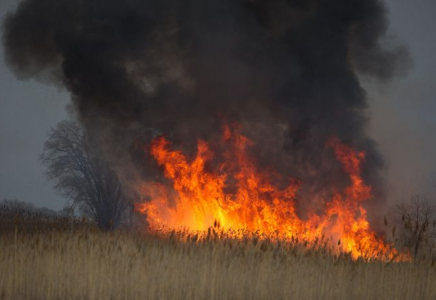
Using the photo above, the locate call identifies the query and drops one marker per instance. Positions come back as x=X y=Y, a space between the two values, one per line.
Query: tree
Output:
x=10 y=207
x=83 y=176
x=418 y=220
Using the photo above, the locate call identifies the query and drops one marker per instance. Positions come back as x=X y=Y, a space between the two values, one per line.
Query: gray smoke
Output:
x=286 y=70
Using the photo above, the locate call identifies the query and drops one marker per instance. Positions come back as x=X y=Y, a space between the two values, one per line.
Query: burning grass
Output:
x=67 y=260
x=198 y=198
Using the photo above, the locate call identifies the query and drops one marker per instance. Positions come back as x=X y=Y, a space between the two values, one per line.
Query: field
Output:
x=64 y=260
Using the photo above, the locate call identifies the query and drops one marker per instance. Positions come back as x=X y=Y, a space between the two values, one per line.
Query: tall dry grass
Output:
x=69 y=260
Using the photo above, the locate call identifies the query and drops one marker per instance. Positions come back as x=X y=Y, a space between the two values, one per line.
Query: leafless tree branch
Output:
x=83 y=176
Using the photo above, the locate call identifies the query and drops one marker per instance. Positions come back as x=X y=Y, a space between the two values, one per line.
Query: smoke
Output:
x=286 y=70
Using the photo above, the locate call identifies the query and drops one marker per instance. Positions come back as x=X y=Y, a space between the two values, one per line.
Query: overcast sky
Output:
x=27 y=112
x=403 y=117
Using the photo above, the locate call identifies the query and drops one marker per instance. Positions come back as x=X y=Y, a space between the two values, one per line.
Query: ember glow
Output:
x=197 y=198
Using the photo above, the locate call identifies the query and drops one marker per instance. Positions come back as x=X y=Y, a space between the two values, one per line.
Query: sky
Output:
x=402 y=117
x=28 y=110
x=403 y=114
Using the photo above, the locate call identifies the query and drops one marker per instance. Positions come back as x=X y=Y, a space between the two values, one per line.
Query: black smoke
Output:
x=288 y=71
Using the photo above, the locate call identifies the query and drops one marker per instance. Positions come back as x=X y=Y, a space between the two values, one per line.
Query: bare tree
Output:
x=418 y=220
x=83 y=176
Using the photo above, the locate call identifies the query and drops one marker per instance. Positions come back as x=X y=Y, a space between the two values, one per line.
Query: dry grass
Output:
x=57 y=260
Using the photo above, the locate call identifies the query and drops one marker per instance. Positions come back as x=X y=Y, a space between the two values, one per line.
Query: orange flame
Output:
x=198 y=199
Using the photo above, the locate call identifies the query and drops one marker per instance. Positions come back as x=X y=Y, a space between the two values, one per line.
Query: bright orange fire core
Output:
x=197 y=199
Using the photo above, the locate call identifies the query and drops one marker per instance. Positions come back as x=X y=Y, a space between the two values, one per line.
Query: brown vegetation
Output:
x=69 y=259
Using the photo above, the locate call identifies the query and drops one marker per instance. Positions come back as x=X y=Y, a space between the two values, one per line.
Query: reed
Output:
x=63 y=259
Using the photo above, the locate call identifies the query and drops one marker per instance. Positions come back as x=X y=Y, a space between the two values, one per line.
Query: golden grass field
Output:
x=59 y=260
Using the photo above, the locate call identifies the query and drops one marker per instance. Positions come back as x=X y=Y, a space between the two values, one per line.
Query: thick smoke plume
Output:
x=286 y=70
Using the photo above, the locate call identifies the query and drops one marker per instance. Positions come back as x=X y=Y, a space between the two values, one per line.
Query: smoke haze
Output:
x=287 y=71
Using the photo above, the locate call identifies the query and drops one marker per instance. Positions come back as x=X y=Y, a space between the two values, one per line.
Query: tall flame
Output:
x=198 y=199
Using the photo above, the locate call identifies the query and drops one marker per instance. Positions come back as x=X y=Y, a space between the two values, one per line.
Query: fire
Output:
x=198 y=198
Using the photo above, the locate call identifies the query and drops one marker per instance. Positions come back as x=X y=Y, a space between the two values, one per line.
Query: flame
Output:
x=198 y=199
